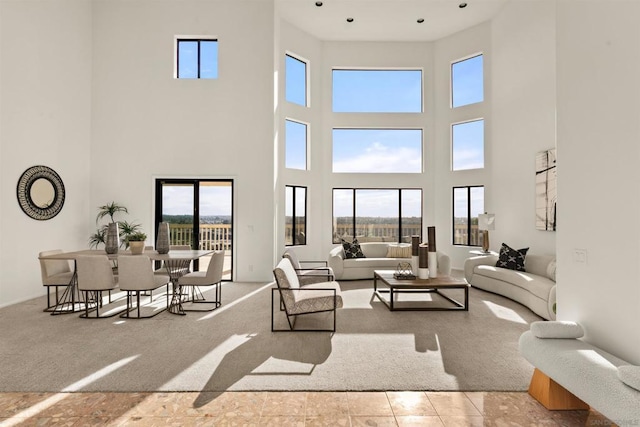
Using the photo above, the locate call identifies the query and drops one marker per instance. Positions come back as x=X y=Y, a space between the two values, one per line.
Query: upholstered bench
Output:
x=573 y=374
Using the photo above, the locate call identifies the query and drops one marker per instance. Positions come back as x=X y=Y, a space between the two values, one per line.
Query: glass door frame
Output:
x=195 y=182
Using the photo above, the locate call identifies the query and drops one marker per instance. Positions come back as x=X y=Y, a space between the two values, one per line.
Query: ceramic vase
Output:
x=162 y=242
x=112 y=239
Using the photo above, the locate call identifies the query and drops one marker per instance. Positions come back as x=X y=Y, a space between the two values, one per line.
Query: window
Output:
x=468 y=202
x=377 y=150
x=295 y=80
x=197 y=59
x=296 y=145
x=467 y=86
x=295 y=215
x=377 y=91
x=377 y=215
x=467 y=145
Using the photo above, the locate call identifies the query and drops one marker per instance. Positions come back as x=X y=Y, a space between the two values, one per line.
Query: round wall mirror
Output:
x=40 y=192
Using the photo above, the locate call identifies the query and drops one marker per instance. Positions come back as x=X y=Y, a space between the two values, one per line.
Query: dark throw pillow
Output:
x=512 y=259
x=352 y=249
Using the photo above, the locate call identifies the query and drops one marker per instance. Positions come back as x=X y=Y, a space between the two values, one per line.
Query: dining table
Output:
x=176 y=262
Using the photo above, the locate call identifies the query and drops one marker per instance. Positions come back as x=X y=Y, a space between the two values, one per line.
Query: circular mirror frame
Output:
x=28 y=178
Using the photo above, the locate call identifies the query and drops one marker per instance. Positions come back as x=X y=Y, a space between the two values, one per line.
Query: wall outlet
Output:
x=580 y=256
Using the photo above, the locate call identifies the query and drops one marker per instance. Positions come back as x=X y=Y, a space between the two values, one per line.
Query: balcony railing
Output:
x=214 y=237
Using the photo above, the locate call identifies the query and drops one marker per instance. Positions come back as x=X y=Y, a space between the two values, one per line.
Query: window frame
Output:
x=469 y=217
x=336 y=239
x=197 y=39
x=306 y=143
x=362 y=128
x=422 y=89
x=294 y=216
x=463 y=122
x=457 y=61
x=307 y=92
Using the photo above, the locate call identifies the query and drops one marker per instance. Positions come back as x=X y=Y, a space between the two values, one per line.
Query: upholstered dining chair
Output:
x=211 y=277
x=136 y=277
x=55 y=273
x=95 y=275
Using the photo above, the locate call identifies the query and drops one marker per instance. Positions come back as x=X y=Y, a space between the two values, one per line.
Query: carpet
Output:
x=232 y=348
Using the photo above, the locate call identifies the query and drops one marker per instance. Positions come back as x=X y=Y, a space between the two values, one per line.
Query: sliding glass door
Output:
x=200 y=215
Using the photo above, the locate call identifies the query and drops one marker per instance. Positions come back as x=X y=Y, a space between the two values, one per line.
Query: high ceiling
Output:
x=386 y=20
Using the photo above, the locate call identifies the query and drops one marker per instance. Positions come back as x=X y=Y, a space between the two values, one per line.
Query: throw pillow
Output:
x=630 y=375
x=352 y=249
x=551 y=270
x=556 y=329
x=399 y=250
x=512 y=259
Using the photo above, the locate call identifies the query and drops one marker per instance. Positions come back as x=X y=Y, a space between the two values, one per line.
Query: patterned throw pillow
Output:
x=512 y=259
x=352 y=249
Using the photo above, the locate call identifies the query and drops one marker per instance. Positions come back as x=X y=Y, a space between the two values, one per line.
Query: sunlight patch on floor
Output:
x=504 y=313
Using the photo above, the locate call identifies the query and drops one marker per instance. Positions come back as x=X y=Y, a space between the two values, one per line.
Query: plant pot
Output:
x=112 y=239
x=136 y=248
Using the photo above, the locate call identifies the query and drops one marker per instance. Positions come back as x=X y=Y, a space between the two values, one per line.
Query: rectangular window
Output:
x=377 y=91
x=295 y=80
x=468 y=203
x=197 y=59
x=295 y=145
x=295 y=215
x=467 y=81
x=467 y=145
x=377 y=150
x=376 y=215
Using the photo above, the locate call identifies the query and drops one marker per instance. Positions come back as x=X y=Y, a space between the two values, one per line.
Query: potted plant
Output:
x=114 y=233
x=136 y=242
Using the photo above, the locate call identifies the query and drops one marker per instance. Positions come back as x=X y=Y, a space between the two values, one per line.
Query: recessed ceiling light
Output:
x=420 y=20
x=349 y=19
x=462 y=5
x=318 y=3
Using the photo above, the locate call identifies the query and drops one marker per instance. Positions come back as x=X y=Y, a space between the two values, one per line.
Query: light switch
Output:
x=580 y=256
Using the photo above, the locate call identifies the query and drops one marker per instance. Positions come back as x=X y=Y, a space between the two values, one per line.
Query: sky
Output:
x=214 y=200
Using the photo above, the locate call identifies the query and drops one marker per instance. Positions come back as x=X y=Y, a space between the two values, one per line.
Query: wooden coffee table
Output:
x=392 y=287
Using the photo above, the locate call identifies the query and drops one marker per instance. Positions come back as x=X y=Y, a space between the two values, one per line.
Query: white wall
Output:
x=523 y=120
x=147 y=124
x=45 y=82
x=598 y=51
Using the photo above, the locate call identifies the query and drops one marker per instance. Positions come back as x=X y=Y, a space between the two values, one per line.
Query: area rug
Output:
x=233 y=348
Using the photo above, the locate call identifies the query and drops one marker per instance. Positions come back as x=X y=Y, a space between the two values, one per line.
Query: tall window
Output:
x=376 y=215
x=468 y=203
x=377 y=150
x=467 y=81
x=377 y=91
x=295 y=215
x=467 y=145
x=296 y=145
x=295 y=80
x=197 y=59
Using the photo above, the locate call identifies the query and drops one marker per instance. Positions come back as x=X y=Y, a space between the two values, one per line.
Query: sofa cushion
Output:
x=537 y=285
x=376 y=263
x=557 y=329
x=551 y=270
x=399 y=250
x=512 y=259
x=352 y=249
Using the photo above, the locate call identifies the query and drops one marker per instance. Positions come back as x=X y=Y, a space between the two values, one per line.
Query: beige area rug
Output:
x=233 y=348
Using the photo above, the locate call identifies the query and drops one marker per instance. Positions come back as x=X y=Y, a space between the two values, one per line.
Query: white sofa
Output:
x=535 y=288
x=375 y=259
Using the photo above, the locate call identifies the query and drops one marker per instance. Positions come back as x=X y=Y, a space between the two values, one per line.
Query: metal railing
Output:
x=215 y=237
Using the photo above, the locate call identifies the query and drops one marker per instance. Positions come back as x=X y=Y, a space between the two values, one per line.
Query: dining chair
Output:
x=95 y=276
x=137 y=277
x=211 y=277
x=55 y=273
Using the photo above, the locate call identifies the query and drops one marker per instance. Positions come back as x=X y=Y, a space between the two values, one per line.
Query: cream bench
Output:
x=573 y=374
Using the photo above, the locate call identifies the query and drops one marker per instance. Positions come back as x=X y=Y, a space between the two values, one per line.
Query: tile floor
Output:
x=286 y=409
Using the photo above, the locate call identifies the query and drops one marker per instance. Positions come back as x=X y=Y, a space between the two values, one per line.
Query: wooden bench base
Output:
x=552 y=395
